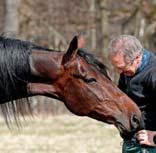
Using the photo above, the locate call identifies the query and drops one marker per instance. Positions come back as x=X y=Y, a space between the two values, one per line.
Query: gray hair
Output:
x=129 y=45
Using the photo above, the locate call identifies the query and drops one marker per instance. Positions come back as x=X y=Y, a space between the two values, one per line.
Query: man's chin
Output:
x=128 y=73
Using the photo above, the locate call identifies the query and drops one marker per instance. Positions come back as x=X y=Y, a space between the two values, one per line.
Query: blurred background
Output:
x=53 y=23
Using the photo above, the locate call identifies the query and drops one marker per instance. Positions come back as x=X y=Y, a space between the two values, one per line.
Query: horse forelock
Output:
x=92 y=60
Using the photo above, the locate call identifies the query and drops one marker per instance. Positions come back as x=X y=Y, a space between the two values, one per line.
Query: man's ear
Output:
x=137 y=60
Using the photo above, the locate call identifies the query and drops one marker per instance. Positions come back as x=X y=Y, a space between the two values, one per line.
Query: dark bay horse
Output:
x=74 y=77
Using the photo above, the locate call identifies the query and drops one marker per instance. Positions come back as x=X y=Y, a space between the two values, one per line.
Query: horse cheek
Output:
x=78 y=101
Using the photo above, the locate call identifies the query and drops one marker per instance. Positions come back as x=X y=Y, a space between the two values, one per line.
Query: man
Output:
x=137 y=69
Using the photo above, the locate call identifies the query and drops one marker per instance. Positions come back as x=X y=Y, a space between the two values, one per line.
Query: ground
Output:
x=60 y=134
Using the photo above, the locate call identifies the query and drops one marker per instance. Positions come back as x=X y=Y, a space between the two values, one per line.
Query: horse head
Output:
x=86 y=91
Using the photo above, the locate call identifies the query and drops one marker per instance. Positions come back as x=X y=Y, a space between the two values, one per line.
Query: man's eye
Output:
x=90 y=80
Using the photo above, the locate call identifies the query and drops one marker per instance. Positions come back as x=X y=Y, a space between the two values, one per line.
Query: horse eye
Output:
x=90 y=80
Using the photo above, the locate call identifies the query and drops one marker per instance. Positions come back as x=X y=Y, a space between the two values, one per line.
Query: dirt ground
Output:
x=60 y=134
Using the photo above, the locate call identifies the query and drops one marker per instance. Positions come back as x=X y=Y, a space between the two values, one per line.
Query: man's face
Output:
x=121 y=66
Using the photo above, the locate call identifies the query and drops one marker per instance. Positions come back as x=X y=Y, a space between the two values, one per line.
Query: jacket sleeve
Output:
x=151 y=81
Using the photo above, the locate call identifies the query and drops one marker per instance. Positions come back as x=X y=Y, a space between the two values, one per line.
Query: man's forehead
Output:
x=118 y=55
x=118 y=59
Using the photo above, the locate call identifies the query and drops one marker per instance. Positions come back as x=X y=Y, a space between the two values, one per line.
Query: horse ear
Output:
x=76 y=43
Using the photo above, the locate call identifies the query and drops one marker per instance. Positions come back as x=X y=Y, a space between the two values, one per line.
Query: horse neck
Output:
x=45 y=65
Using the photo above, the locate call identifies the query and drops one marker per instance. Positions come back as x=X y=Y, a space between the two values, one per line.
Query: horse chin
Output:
x=127 y=135
x=124 y=132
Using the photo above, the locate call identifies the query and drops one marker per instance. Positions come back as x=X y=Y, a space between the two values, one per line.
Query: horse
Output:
x=75 y=77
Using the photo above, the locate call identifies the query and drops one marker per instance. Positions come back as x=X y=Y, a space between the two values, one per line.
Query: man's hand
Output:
x=145 y=137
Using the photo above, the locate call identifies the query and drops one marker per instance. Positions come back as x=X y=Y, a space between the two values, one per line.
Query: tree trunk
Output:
x=11 y=23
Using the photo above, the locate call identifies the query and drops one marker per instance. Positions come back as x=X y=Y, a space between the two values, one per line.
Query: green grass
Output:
x=60 y=134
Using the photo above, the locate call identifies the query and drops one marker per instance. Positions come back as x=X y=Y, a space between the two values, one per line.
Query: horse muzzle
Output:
x=127 y=128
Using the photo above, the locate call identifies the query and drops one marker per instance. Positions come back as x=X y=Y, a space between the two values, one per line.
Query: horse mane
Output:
x=88 y=57
x=15 y=73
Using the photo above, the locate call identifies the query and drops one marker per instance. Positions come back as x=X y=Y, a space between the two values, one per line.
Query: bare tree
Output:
x=2 y=12
x=11 y=16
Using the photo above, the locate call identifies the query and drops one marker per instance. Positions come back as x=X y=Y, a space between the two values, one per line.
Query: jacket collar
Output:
x=144 y=61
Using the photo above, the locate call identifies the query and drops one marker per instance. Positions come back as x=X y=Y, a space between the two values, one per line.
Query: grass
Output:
x=60 y=134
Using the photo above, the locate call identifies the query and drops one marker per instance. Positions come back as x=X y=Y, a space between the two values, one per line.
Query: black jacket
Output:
x=141 y=88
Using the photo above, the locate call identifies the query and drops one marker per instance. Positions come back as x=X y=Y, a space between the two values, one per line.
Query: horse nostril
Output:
x=134 y=121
